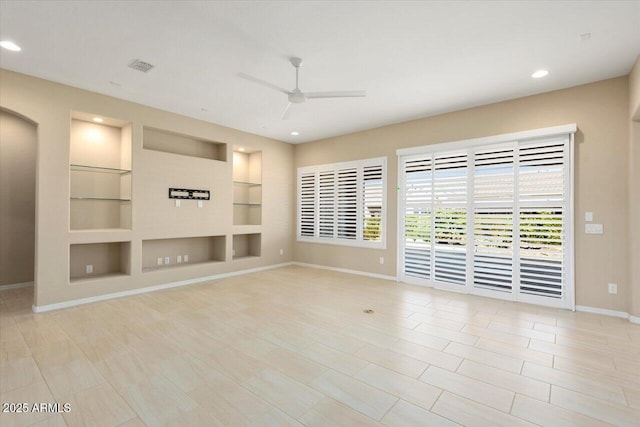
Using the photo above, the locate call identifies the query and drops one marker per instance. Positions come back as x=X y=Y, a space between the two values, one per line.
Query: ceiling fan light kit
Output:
x=296 y=96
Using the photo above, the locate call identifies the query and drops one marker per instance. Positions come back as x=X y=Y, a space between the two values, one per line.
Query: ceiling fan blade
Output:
x=263 y=83
x=287 y=112
x=336 y=94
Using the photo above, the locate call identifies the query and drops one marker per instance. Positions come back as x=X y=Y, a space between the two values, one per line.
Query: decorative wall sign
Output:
x=189 y=194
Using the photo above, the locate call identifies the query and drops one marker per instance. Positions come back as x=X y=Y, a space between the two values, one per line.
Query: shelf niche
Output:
x=107 y=260
x=247 y=187
x=246 y=245
x=175 y=143
x=199 y=250
x=100 y=173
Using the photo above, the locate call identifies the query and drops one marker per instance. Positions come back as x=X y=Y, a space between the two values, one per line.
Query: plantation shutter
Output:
x=347 y=203
x=343 y=203
x=491 y=218
x=493 y=192
x=418 y=175
x=307 y=204
x=543 y=212
x=373 y=191
x=450 y=217
x=327 y=204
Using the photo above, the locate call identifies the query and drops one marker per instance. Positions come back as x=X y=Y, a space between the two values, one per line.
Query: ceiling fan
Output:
x=296 y=96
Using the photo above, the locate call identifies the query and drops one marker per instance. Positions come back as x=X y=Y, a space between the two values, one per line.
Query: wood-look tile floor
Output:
x=292 y=347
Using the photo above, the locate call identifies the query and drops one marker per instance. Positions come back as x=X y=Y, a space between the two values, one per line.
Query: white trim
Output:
x=634 y=319
x=15 y=286
x=603 y=311
x=81 y=301
x=507 y=137
x=374 y=161
x=570 y=288
x=345 y=270
x=341 y=242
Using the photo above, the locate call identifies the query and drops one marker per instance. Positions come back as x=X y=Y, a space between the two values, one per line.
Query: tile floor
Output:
x=292 y=347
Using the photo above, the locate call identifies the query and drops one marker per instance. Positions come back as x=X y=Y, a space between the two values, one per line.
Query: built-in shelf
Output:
x=100 y=173
x=185 y=145
x=197 y=250
x=249 y=184
x=172 y=266
x=246 y=246
x=247 y=187
x=101 y=198
x=86 y=168
x=95 y=278
x=92 y=261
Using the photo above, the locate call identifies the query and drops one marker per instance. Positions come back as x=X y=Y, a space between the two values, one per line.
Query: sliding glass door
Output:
x=491 y=219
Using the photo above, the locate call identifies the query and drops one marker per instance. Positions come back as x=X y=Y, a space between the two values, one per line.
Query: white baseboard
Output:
x=81 y=301
x=605 y=312
x=15 y=286
x=345 y=270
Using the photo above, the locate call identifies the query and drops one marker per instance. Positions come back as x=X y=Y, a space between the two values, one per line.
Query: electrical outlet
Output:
x=89 y=268
x=613 y=288
x=594 y=228
x=381 y=260
x=179 y=259
x=281 y=251
x=185 y=258
x=159 y=260
x=167 y=260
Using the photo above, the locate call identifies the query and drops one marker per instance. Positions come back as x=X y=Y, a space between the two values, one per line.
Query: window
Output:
x=343 y=203
x=491 y=216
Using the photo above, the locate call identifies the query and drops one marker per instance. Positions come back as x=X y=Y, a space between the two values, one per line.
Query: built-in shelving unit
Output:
x=99 y=260
x=100 y=173
x=247 y=186
x=175 y=143
x=247 y=245
x=161 y=254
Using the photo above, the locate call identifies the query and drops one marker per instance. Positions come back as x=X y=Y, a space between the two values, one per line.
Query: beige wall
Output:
x=154 y=217
x=18 y=141
x=601 y=112
x=634 y=189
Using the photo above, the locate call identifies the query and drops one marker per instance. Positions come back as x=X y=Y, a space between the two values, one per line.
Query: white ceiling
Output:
x=414 y=59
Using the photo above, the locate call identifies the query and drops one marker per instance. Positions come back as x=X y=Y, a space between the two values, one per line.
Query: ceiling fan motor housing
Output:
x=296 y=96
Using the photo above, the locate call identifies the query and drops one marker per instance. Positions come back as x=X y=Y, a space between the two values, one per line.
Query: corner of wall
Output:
x=634 y=190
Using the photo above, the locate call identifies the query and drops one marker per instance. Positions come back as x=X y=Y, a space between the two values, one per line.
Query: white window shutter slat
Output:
x=307 y=205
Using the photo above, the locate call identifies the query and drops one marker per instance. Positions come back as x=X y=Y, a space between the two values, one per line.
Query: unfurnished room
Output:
x=319 y=213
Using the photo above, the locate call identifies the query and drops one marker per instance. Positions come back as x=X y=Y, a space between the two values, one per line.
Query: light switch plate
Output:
x=177 y=203
x=199 y=203
x=594 y=229
x=588 y=216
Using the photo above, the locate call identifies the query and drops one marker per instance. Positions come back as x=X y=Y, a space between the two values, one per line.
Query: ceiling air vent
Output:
x=139 y=65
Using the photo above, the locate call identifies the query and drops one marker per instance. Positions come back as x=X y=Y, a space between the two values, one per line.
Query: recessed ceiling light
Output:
x=539 y=74
x=9 y=45
x=98 y=120
x=240 y=149
x=295 y=133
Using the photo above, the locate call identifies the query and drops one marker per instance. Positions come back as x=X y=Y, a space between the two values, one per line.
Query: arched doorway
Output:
x=18 y=148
